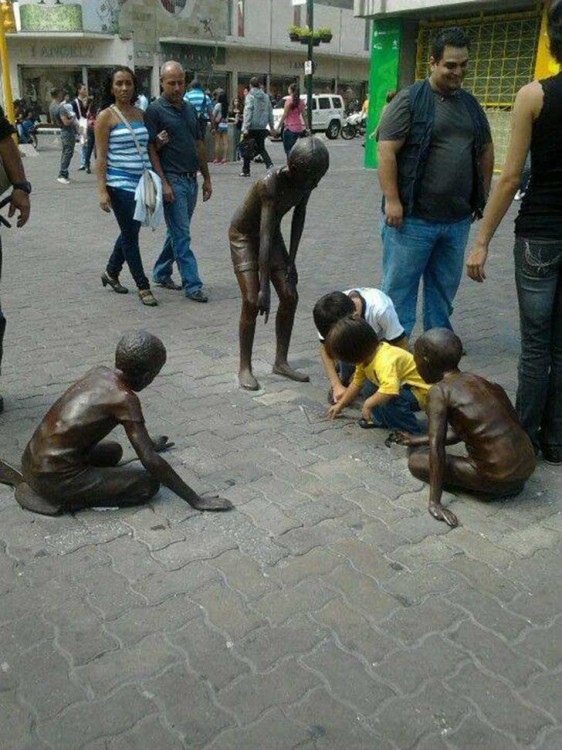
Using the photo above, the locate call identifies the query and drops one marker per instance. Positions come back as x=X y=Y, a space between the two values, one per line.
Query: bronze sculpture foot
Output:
x=247 y=381
x=287 y=371
x=30 y=500
x=211 y=502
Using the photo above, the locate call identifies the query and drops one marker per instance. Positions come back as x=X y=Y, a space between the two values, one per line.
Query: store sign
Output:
x=62 y=51
x=194 y=57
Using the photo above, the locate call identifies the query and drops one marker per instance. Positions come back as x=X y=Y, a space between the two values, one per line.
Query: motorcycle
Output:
x=355 y=124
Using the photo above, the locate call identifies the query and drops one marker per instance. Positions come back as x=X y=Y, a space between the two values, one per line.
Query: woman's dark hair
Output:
x=294 y=89
x=223 y=101
x=453 y=37
x=554 y=26
x=107 y=97
x=351 y=340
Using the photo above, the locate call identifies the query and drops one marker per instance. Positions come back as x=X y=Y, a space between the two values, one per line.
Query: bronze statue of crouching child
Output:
x=463 y=407
x=66 y=467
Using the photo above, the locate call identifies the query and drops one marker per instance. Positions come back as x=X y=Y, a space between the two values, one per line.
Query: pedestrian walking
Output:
x=203 y=105
x=220 y=120
x=292 y=119
x=258 y=114
x=536 y=123
x=80 y=107
x=19 y=201
x=435 y=167
x=63 y=117
x=177 y=149
x=91 y=132
x=122 y=140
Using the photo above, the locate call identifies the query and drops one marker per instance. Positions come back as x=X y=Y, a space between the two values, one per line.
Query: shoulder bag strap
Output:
x=117 y=112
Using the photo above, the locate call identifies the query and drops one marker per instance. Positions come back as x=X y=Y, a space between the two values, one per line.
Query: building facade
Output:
x=508 y=49
x=224 y=42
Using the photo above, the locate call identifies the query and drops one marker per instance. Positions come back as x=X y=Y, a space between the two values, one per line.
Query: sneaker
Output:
x=519 y=195
x=244 y=174
x=168 y=284
x=81 y=169
x=198 y=296
x=63 y=180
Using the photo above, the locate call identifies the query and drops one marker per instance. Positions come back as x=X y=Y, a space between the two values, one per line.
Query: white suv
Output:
x=327 y=113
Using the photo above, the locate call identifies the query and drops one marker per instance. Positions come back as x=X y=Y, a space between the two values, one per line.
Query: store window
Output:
x=241 y=16
x=36 y=85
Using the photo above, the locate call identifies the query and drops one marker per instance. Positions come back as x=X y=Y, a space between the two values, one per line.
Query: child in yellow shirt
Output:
x=401 y=390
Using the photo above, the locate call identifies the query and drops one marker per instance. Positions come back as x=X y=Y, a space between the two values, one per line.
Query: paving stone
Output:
x=243 y=574
x=494 y=654
x=410 y=624
x=483 y=578
x=162 y=584
x=19 y=635
x=148 y=734
x=253 y=694
x=540 y=605
x=474 y=734
x=334 y=725
x=209 y=653
x=130 y=664
x=380 y=536
x=268 y=517
x=301 y=540
x=272 y=731
x=544 y=645
x=226 y=610
x=88 y=720
x=408 y=669
x=349 y=681
x=544 y=692
x=364 y=558
x=139 y=622
x=480 y=548
x=153 y=529
x=195 y=547
x=404 y=720
x=293 y=569
x=363 y=592
x=488 y=611
x=307 y=596
x=429 y=551
x=527 y=541
x=45 y=679
x=412 y=587
x=266 y=646
x=109 y=592
x=416 y=528
x=355 y=632
x=552 y=741
x=499 y=704
x=16 y=722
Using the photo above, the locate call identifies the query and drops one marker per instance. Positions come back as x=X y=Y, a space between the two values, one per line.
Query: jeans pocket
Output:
x=538 y=259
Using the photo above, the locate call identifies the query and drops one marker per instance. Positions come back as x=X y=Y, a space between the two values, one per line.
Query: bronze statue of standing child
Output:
x=259 y=254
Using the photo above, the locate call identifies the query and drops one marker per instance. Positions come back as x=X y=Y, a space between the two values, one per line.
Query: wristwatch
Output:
x=25 y=186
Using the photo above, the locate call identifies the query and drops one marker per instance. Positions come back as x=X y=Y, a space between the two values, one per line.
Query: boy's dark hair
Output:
x=138 y=353
x=554 y=27
x=329 y=309
x=351 y=340
x=453 y=37
x=309 y=155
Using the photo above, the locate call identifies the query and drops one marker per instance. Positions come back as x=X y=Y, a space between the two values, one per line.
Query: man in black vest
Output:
x=436 y=159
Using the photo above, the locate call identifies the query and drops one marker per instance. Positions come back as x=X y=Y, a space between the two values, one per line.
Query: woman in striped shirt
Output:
x=120 y=163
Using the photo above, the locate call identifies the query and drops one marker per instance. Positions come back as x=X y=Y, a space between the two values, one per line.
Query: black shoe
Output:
x=552 y=455
x=81 y=169
x=168 y=284
x=244 y=174
x=198 y=296
x=88 y=170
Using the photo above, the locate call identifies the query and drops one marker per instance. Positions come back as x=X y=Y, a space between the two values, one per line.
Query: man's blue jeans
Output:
x=432 y=250
x=127 y=245
x=538 y=277
x=177 y=245
x=68 y=141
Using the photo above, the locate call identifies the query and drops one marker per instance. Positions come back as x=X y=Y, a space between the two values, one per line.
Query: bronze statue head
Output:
x=140 y=356
x=436 y=352
x=352 y=340
x=308 y=161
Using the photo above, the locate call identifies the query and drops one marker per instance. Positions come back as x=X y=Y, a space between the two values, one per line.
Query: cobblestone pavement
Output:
x=328 y=610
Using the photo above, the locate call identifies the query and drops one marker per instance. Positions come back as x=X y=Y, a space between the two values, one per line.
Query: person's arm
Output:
x=267 y=223
x=487 y=165
x=66 y=119
x=388 y=178
x=528 y=104
x=157 y=140
x=248 y=112
x=351 y=393
x=297 y=226
x=421 y=441
x=377 y=399
x=286 y=109
x=329 y=366
x=437 y=414
x=102 y=129
x=201 y=151
x=161 y=470
x=10 y=155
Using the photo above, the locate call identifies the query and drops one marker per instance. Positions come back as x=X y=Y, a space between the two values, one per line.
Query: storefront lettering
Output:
x=82 y=51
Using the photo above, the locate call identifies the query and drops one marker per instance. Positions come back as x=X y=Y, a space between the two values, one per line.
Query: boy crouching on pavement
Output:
x=367 y=303
x=401 y=390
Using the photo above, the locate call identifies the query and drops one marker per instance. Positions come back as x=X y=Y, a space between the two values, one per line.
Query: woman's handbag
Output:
x=150 y=191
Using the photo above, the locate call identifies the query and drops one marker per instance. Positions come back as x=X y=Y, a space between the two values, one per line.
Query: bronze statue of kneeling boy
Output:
x=259 y=254
x=66 y=467
x=500 y=455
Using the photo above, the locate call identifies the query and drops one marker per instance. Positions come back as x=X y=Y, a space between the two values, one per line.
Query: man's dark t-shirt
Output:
x=179 y=155
x=447 y=183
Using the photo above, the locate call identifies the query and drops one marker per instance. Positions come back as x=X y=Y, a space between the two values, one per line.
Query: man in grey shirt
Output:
x=63 y=117
x=435 y=167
